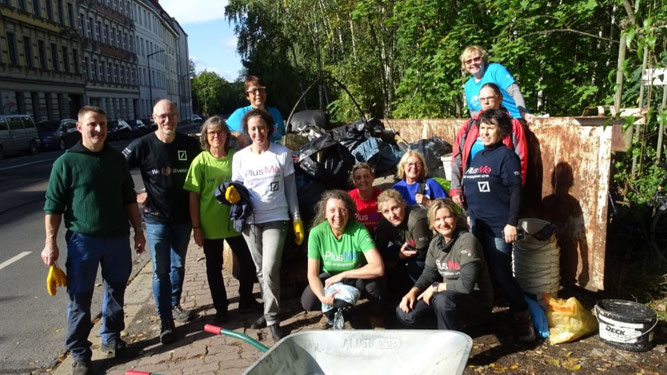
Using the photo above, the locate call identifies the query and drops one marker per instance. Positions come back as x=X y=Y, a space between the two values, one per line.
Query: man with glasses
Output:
x=164 y=158
x=255 y=92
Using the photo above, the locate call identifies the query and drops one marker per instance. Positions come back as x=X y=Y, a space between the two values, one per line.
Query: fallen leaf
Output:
x=568 y=354
x=514 y=367
x=571 y=367
x=552 y=361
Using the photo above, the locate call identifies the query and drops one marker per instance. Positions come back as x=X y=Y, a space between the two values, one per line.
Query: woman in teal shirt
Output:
x=210 y=219
x=340 y=249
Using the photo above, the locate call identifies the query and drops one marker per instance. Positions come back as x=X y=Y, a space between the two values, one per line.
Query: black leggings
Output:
x=373 y=289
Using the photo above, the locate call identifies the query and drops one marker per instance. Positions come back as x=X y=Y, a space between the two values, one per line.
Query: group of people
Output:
x=409 y=248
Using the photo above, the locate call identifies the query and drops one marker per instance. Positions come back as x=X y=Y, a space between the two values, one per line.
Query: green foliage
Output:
x=212 y=93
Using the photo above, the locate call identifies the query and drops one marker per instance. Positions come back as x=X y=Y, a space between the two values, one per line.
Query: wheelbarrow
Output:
x=360 y=352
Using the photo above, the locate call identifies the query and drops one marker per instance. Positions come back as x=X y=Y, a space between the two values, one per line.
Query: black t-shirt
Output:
x=487 y=182
x=163 y=168
x=414 y=230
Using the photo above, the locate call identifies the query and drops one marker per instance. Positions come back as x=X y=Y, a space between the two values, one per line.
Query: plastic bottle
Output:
x=338 y=321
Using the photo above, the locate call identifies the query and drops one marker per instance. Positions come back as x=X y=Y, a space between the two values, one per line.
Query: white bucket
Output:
x=447 y=165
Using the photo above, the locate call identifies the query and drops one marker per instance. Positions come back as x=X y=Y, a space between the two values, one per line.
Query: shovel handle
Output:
x=228 y=332
x=134 y=372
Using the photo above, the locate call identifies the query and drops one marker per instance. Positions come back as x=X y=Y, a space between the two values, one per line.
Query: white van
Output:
x=17 y=134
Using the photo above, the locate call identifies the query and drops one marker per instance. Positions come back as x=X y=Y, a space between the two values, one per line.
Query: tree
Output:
x=211 y=92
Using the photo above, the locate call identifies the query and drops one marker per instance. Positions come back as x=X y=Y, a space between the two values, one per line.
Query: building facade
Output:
x=40 y=55
x=183 y=71
x=109 y=59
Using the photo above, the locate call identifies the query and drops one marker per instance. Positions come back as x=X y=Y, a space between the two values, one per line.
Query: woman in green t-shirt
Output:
x=340 y=249
x=210 y=219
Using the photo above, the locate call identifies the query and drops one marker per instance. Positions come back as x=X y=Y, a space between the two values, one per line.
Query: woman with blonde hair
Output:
x=455 y=286
x=210 y=220
x=414 y=187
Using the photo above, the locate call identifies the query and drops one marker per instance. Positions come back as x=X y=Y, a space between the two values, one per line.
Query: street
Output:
x=33 y=324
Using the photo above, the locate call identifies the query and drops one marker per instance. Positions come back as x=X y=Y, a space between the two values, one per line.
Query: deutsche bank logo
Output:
x=274 y=186
x=182 y=155
x=483 y=186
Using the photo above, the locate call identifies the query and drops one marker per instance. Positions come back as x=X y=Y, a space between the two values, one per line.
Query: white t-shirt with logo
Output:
x=264 y=177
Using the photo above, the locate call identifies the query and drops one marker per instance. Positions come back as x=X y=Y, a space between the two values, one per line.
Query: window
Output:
x=15 y=123
x=102 y=76
x=11 y=48
x=65 y=60
x=113 y=36
x=82 y=21
x=106 y=33
x=94 y=72
x=86 y=67
x=89 y=29
x=36 y=7
x=61 y=15
x=22 y=5
x=70 y=14
x=42 y=54
x=116 y=74
x=54 y=57
x=98 y=31
x=49 y=10
x=27 y=49
x=75 y=58
x=109 y=71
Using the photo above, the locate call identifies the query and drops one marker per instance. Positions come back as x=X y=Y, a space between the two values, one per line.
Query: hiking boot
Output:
x=524 y=327
x=82 y=368
x=324 y=323
x=180 y=314
x=250 y=306
x=114 y=348
x=167 y=332
x=376 y=321
x=259 y=323
x=276 y=332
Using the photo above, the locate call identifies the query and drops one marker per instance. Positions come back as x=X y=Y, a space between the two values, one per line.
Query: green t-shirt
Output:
x=338 y=255
x=205 y=174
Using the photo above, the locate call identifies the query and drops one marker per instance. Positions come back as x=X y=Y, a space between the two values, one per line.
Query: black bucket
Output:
x=626 y=324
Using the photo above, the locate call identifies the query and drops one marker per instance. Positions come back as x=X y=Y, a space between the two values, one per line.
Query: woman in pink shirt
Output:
x=365 y=196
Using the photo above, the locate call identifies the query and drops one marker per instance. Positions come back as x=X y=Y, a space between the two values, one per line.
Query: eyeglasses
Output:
x=474 y=59
x=487 y=98
x=255 y=91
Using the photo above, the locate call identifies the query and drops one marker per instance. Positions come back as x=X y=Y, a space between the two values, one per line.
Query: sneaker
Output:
x=376 y=321
x=259 y=323
x=251 y=306
x=167 y=332
x=82 y=368
x=276 y=332
x=324 y=323
x=114 y=348
x=180 y=314
x=524 y=326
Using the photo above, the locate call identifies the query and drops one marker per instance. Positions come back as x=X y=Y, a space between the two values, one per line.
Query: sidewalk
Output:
x=195 y=352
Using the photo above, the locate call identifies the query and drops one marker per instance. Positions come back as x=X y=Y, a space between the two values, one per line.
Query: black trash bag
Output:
x=309 y=192
x=432 y=149
x=356 y=133
x=327 y=161
x=309 y=122
x=381 y=155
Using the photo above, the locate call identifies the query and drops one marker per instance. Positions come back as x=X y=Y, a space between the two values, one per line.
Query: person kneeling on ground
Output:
x=464 y=296
x=340 y=250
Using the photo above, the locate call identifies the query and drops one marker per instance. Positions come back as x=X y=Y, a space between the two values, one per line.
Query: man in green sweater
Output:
x=91 y=186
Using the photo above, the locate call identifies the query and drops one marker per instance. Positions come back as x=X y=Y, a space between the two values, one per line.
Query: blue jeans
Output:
x=498 y=254
x=168 y=245
x=84 y=254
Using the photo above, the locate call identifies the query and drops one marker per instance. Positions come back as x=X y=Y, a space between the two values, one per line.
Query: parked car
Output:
x=138 y=128
x=152 y=126
x=58 y=134
x=118 y=129
x=196 y=118
x=17 y=134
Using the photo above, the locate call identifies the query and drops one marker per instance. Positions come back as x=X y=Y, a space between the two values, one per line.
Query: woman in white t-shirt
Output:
x=267 y=171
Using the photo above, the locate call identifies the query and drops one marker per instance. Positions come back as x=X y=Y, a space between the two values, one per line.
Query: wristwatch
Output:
x=435 y=286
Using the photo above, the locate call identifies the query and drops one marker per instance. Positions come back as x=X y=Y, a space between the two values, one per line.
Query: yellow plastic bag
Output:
x=568 y=319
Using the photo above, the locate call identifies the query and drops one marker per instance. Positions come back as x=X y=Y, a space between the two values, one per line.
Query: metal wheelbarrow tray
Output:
x=365 y=352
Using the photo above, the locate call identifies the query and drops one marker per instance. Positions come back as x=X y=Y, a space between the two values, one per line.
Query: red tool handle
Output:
x=133 y=372
x=212 y=329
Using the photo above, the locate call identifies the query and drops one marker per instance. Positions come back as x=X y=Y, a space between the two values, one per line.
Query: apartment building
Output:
x=40 y=55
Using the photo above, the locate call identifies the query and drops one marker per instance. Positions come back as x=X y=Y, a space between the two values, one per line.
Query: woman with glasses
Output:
x=210 y=219
x=414 y=187
x=475 y=60
x=468 y=142
x=255 y=92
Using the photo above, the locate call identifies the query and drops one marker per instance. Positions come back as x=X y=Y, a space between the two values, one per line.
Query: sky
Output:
x=211 y=38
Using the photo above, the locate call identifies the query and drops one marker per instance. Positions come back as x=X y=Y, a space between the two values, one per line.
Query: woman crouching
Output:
x=340 y=250
x=455 y=285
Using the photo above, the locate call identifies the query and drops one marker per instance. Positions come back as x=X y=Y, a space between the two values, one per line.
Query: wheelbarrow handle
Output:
x=228 y=332
x=134 y=372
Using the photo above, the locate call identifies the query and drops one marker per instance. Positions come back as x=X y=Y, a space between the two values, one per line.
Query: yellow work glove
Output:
x=232 y=195
x=298 y=231
x=54 y=279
